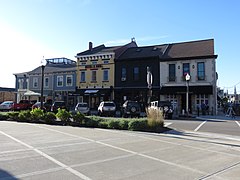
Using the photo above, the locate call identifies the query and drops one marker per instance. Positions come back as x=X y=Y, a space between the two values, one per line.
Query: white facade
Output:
x=196 y=98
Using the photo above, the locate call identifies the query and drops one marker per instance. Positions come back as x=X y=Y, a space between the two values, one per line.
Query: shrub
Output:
x=49 y=117
x=13 y=116
x=64 y=116
x=155 y=118
x=138 y=124
x=92 y=121
x=103 y=124
x=123 y=124
x=4 y=116
x=78 y=117
x=25 y=116
x=37 y=114
x=114 y=124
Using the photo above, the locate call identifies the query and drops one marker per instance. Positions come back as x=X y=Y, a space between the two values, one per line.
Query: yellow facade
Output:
x=103 y=65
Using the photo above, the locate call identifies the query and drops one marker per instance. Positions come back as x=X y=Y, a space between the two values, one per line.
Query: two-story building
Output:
x=96 y=72
x=59 y=82
x=169 y=64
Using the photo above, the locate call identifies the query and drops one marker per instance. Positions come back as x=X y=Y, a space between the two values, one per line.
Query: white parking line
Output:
x=200 y=126
x=238 y=123
x=48 y=157
x=129 y=151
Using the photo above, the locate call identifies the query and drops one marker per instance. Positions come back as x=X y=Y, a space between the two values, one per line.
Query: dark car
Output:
x=58 y=104
x=131 y=109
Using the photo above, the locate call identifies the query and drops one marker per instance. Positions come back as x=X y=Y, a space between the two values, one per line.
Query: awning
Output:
x=31 y=93
x=92 y=91
x=182 y=89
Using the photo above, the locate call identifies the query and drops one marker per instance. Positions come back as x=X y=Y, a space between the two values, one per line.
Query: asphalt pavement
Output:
x=38 y=151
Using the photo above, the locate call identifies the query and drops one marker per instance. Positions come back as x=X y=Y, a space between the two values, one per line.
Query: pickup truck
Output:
x=22 y=105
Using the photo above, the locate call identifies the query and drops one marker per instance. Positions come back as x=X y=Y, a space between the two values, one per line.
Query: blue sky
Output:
x=31 y=29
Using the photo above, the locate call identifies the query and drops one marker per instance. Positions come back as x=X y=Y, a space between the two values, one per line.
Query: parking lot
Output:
x=38 y=151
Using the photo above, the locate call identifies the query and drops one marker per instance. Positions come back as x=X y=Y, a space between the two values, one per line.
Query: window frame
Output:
x=35 y=82
x=58 y=80
x=46 y=84
x=71 y=78
x=105 y=75
x=83 y=76
x=172 y=72
x=201 y=73
x=94 y=76
x=136 y=76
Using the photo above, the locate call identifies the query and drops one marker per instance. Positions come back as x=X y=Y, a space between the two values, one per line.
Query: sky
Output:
x=33 y=29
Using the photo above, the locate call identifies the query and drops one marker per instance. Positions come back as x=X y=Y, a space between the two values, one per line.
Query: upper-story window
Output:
x=69 y=80
x=35 y=82
x=186 y=69
x=124 y=74
x=172 y=72
x=136 y=73
x=105 y=61
x=46 y=82
x=94 y=62
x=105 y=75
x=59 y=81
x=200 y=71
x=94 y=75
x=83 y=76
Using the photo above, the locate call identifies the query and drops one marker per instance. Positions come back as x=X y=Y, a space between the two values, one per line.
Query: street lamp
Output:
x=42 y=84
x=187 y=78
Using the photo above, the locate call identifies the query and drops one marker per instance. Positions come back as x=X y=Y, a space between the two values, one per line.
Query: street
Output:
x=211 y=124
x=38 y=151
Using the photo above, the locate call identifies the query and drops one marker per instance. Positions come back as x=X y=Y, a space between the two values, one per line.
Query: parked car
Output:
x=131 y=109
x=46 y=106
x=22 y=105
x=165 y=106
x=83 y=108
x=6 y=106
x=58 y=104
x=107 y=108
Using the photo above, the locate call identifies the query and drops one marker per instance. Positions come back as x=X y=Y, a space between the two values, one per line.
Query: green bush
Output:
x=37 y=114
x=123 y=124
x=64 y=116
x=4 y=116
x=25 y=116
x=103 y=124
x=92 y=121
x=78 y=117
x=50 y=117
x=114 y=124
x=13 y=116
x=138 y=124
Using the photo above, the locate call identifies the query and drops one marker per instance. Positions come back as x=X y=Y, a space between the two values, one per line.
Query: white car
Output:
x=107 y=108
x=6 y=106
x=83 y=108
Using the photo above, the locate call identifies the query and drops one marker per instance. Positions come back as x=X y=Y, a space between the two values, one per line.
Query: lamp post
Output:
x=187 y=78
x=42 y=84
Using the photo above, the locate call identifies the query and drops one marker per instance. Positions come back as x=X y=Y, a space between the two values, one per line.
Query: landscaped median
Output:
x=152 y=123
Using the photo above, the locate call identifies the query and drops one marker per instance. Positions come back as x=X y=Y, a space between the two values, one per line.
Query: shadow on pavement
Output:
x=6 y=175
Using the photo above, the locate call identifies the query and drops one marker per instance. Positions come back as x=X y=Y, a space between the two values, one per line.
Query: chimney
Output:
x=90 y=46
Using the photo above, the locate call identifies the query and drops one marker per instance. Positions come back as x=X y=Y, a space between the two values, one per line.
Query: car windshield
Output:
x=109 y=104
x=133 y=104
x=82 y=105
x=59 y=103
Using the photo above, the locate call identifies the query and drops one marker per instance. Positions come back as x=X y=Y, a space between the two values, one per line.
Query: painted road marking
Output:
x=200 y=126
x=48 y=157
x=238 y=123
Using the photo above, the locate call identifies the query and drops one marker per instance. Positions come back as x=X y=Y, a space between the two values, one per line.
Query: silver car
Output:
x=83 y=108
x=6 y=106
x=107 y=108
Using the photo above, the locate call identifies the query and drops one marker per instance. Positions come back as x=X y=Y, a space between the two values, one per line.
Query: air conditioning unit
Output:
x=123 y=79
